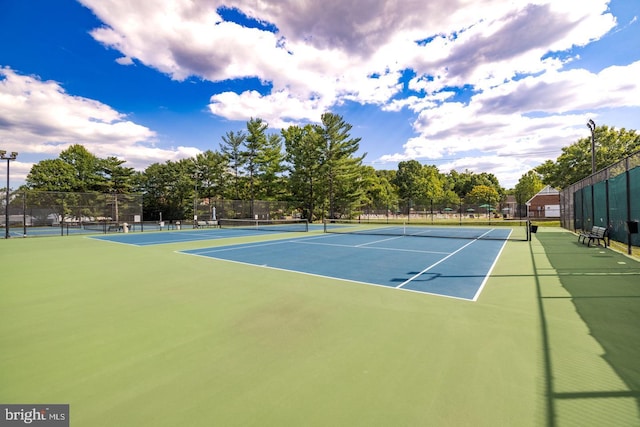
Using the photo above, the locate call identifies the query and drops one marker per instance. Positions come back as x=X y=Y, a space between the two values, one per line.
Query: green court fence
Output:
x=609 y=198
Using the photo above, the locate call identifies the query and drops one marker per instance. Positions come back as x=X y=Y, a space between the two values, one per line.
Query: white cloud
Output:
x=125 y=60
x=39 y=117
x=279 y=109
x=326 y=53
x=331 y=49
x=497 y=120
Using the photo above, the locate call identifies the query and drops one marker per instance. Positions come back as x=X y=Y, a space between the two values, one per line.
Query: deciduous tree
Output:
x=574 y=163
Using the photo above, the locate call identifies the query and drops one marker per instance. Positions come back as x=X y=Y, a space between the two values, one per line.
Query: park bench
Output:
x=597 y=234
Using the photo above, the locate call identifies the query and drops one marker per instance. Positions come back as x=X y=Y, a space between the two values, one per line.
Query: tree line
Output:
x=316 y=165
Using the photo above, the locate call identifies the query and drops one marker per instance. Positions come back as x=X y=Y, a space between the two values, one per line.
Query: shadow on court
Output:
x=591 y=370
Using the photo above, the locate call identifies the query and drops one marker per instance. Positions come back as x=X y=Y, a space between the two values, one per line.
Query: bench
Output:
x=597 y=234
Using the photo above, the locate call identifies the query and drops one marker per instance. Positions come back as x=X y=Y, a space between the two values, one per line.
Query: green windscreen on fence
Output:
x=618 y=210
x=587 y=207
x=609 y=198
x=600 y=204
x=634 y=191
x=577 y=198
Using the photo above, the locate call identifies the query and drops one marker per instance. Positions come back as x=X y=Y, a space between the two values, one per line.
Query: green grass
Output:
x=133 y=336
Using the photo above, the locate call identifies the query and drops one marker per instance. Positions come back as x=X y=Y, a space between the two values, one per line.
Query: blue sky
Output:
x=489 y=86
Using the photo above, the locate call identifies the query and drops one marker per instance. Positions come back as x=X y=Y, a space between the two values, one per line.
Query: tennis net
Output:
x=98 y=226
x=480 y=230
x=273 y=225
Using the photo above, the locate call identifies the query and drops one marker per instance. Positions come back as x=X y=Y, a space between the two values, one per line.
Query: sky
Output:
x=491 y=86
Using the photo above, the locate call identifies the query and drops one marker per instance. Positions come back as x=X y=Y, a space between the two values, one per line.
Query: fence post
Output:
x=628 y=184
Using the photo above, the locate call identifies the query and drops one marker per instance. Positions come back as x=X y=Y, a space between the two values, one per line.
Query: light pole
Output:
x=592 y=127
x=196 y=176
x=8 y=158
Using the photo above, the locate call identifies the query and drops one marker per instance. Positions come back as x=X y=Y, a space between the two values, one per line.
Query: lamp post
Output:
x=8 y=158
x=592 y=127
x=196 y=176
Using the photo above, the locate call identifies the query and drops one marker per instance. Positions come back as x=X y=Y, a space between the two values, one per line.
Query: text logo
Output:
x=54 y=415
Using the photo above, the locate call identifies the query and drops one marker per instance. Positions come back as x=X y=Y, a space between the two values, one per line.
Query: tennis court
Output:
x=140 y=333
x=168 y=237
x=227 y=230
x=426 y=265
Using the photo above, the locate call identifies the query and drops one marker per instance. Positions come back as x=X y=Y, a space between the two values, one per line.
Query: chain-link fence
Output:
x=431 y=211
x=211 y=210
x=609 y=198
x=36 y=213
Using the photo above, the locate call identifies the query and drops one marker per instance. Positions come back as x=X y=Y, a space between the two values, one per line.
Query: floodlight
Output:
x=3 y=156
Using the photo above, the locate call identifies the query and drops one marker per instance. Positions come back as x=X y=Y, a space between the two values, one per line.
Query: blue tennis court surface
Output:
x=456 y=268
x=165 y=237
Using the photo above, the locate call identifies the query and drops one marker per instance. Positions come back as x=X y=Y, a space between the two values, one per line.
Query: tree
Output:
x=232 y=149
x=574 y=163
x=168 y=189
x=263 y=161
x=75 y=170
x=303 y=147
x=254 y=145
x=418 y=185
x=410 y=181
x=86 y=167
x=463 y=183
x=528 y=186
x=434 y=183
x=340 y=167
x=52 y=175
x=460 y=183
x=212 y=169
x=448 y=199
x=379 y=191
x=115 y=178
x=152 y=183
x=270 y=169
x=484 y=195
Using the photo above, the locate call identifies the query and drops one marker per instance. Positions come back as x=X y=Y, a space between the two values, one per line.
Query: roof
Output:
x=546 y=191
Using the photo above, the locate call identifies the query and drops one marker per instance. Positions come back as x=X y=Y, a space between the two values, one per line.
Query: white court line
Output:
x=325 y=277
x=486 y=277
x=307 y=241
x=112 y=241
x=235 y=247
x=443 y=259
x=177 y=238
x=371 y=248
x=378 y=241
